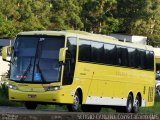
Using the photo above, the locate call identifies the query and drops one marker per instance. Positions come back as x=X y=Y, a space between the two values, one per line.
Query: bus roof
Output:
x=89 y=36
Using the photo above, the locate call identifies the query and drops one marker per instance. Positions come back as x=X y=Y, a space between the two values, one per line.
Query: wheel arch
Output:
x=140 y=96
x=131 y=93
x=79 y=90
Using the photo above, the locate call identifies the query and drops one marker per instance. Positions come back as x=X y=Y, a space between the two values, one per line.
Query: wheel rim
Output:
x=136 y=104
x=129 y=105
x=158 y=91
x=76 y=102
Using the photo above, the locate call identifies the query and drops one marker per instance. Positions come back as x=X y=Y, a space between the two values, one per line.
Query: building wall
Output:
x=4 y=67
x=133 y=38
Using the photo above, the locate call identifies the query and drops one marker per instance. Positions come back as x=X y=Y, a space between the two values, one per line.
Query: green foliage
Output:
x=66 y=15
x=153 y=109
x=4 y=101
x=133 y=17
x=52 y=107
x=7 y=28
x=3 y=90
x=97 y=16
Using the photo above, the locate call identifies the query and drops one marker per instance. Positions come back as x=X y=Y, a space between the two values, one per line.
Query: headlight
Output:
x=54 y=88
x=12 y=87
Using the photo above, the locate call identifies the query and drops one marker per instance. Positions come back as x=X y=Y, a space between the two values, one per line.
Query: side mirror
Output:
x=6 y=51
x=62 y=53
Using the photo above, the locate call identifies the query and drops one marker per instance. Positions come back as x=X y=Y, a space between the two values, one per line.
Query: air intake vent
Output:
x=150 y=94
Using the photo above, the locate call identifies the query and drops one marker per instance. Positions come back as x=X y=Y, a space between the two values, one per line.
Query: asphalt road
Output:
x=23 y=110
x=21 y=113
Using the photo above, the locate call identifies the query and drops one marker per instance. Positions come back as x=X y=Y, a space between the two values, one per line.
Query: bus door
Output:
x=70 y=61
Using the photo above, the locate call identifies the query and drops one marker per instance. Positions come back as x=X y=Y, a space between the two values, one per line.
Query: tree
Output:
x=97 y=16
x=33 y=15
x=140 y=18
x=129 y=12
x=7 y=14
x=7 y=28
x=65 y=15
x=23 y=15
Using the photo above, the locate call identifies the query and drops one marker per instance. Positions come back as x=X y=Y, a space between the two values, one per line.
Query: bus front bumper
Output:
x=47 y=96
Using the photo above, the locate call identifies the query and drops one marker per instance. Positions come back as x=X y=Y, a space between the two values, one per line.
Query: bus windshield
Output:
x=35 y=59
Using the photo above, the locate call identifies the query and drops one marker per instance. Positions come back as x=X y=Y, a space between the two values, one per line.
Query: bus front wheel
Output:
x=31 y=105
x=76 y=102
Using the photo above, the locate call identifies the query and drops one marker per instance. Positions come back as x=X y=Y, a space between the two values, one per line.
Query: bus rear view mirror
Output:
x=6 y=51
x=62 y=53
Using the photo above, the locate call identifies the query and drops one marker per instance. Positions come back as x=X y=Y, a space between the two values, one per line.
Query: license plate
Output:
x=32 y=96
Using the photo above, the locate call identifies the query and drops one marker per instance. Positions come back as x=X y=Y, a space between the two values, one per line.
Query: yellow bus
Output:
x=77 y=68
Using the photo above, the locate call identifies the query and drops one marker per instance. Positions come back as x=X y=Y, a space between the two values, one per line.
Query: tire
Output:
x=91 y=108
x=136 y=105
x=158 y=90
x=129 y=106
x=76 y=103
x=31 y=105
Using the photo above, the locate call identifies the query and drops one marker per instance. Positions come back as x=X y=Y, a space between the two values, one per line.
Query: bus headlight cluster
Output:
x=54 y=88
x=12 y=87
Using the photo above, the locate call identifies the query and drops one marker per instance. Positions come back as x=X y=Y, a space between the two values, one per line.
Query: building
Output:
x=133 y=38
x=6 y=42
x=4 y=66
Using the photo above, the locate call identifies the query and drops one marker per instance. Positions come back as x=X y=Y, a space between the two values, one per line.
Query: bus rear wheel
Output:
x=136 y=104
x=31 y=105
x=128 y=108
x=76 y=103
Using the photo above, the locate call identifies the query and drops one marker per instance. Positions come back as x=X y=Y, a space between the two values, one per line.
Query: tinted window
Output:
x=97 y=52
x=122 y=56
x=147 y=63
x=85 y=50
x=110 y=55
x=142 y=59
x=151 y=59
x=131 y=57
x=137 y=60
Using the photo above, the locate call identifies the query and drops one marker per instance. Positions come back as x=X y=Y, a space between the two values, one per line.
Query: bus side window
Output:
x=85 y=50
x=142 y=59
x=131 y=57
x=97 y=52
x=151 y=59
x=122 y=54
x=147 y=63
x=137 y=60
x=110 y=54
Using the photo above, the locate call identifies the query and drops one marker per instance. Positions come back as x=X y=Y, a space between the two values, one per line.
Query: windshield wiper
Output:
x=26 y=71
x=37 y=59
